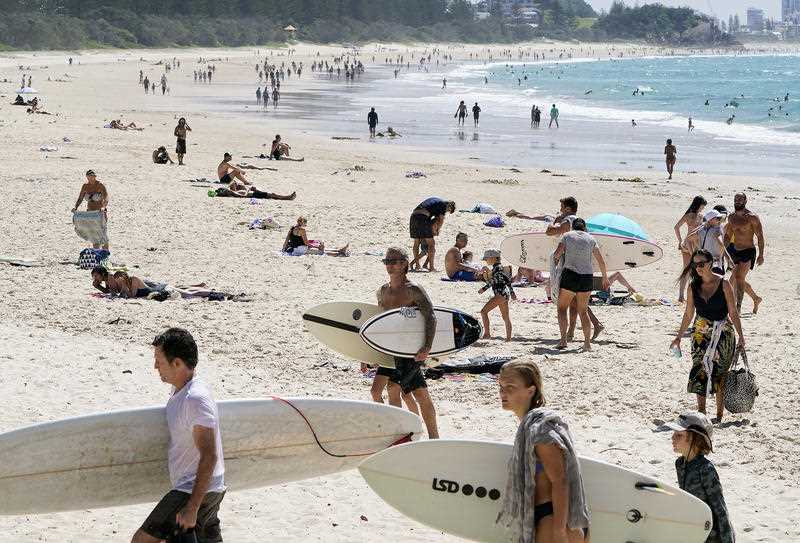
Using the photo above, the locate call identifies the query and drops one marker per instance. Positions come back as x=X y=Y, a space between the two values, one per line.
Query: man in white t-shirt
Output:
x=196 y=467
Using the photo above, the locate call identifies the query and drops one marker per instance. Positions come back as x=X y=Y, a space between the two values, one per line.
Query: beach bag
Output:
x=740 y=387
x=91 y=258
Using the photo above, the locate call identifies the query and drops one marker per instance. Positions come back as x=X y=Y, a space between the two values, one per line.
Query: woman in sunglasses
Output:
x=711 y=302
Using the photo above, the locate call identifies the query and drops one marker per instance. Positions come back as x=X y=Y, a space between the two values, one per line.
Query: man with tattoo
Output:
x=407 y=375
x=744 y=225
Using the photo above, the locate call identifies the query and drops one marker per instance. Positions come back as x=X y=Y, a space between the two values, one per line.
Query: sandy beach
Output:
x=66 y=353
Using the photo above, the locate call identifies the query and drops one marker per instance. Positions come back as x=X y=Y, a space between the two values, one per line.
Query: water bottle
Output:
x=675 y=350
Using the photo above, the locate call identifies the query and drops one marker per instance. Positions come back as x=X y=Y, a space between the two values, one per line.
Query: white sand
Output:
x=61 y=357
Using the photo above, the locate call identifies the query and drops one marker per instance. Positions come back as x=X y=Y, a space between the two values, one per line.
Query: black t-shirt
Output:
x=435 y=206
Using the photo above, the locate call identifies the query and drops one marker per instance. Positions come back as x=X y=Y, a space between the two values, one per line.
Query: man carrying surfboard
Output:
x=407 y=375
x=196 y=467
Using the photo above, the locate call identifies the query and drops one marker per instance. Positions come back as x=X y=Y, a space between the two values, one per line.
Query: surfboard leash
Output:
x=405 y=439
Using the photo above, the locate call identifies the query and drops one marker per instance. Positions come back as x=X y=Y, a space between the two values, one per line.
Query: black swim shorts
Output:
x=180 y=146
x=576 y=282
x=408 y=374
x=161 y=522
x=225 y=178
x=420 y=226
x=743 y=255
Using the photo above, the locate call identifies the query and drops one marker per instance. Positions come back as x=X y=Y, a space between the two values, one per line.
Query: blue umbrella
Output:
x=613 y=223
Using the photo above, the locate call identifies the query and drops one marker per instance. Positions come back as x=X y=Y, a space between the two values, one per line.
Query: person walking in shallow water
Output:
x=476 y=113
x=461 y=113
x=372 y=121
x=553 y=116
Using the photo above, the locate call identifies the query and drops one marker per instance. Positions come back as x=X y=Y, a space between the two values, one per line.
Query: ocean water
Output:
x=596 y=133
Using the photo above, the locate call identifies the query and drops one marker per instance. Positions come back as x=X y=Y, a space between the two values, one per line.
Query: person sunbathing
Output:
x=129 y=286
x=280 y=150
x=119 y=125
x=239 y=189
x=298 y=244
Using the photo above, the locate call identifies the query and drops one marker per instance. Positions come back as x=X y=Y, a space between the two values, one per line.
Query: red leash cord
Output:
x=404 y=439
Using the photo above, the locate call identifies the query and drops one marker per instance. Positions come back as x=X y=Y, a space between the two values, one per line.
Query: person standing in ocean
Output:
x=672 y=157
x=553 y=116
x=461 y=113
x=691 y=124
x=476 y=113
x=372 y=121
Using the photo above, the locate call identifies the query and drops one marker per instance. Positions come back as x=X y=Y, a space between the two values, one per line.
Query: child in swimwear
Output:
x=499 y=279
x=696 y=474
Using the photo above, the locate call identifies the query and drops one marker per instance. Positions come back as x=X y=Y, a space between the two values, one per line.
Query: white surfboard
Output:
x=533 y=250
x=401 y=332
x=457 y=487
x=120 y=458
x=337 y=324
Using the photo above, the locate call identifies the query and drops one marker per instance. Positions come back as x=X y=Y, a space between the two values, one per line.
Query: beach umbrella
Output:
x=614 y=223
x=27 y=90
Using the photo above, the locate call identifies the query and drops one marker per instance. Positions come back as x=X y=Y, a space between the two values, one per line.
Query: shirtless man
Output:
x=742 y=227
x=227 y=171
x=461 y=113
x=454 y=262
x=180 y=135
x=407 y=377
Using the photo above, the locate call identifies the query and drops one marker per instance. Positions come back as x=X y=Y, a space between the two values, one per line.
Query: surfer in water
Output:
x=407 y=377
x=554 y=507
x=196 y=466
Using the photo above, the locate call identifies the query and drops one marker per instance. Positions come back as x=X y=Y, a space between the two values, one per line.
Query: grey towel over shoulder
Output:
x=540 y=426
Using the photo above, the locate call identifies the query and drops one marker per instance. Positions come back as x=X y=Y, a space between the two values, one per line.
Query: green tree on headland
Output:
x=67 y=24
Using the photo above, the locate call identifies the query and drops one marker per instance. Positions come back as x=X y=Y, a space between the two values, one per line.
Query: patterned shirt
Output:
x=500 y=282
x=699 y=478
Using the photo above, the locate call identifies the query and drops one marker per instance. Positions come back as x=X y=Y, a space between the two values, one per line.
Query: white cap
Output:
x=711 y=214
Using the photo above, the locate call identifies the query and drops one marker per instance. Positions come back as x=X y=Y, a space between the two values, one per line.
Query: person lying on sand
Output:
x=119 y=125
x=280 y=150
x=390 y=132
x=298 y=244
x=239 y=189
x=161 y=156
x=129 y=286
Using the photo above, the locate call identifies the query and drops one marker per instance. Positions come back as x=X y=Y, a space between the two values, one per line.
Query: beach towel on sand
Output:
x=91 y=226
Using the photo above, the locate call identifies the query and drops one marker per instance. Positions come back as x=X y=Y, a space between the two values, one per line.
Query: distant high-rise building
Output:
x=790 y=10
x=737 y=24
x=755 y=19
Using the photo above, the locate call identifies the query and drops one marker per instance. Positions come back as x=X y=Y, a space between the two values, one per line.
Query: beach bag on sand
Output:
x=740 y=387
x=90 y=258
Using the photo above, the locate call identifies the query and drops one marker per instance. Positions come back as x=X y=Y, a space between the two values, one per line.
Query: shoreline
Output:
x=164 y=228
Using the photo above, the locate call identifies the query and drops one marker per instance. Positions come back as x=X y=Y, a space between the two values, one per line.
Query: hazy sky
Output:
x=722 y=8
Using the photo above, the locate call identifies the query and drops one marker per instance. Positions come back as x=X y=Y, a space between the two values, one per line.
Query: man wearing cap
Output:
x=407 y=375
x=697 y=475
x=743 y=225
x=425 y=223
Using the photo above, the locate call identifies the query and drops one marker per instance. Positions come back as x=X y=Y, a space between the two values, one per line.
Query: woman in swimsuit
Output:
x=297 y=244
x=693 y=219
x=560 y=510
x=96 y=196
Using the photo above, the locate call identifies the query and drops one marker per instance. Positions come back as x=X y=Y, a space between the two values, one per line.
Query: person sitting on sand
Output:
x=161 y=156
x=19 y=101
x=280 y=150
x=499 y=279
x=298 y=244
x=529 y=276
x=227 y=171
x=544 y=474
x=454 y=264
